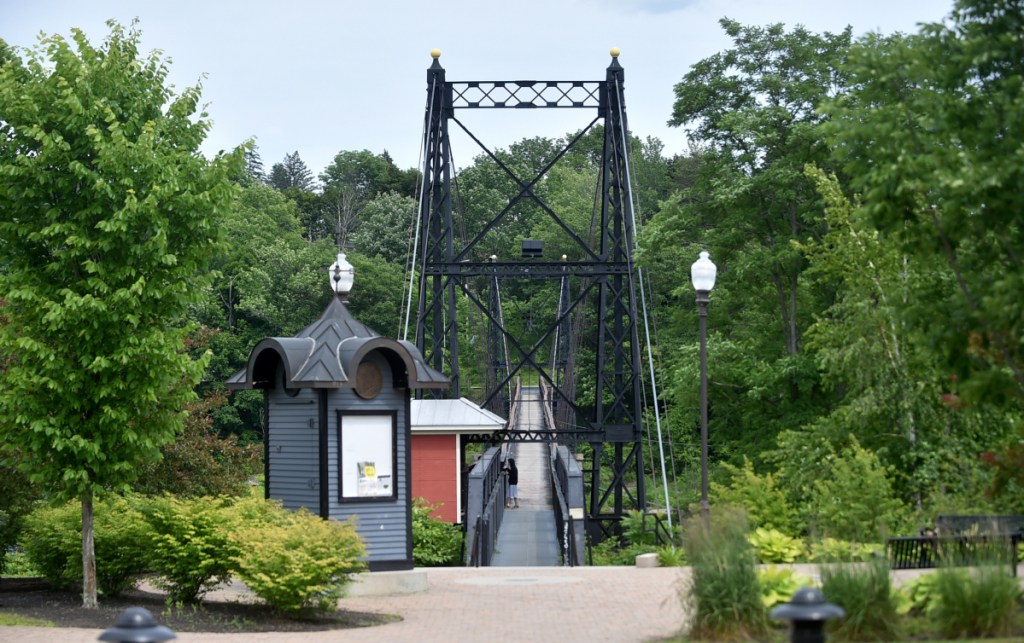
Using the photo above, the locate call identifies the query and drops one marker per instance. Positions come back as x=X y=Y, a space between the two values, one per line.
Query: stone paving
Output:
x=506 y=604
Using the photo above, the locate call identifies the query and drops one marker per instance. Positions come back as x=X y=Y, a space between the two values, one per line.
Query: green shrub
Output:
x=611 y=552
x=17 y=496
x=772 y=546
x=671 y=556
x=855 y=500
x=832 y=550
x=759 y=496
x=920 y=592
x=640 y=528
x=778 y=584
x=293 y=560
x=871 y=603
x=435 y=543
x=19 y=566
x=978 y=604
x=724 y=596
x=191 y=548
x=52 y=538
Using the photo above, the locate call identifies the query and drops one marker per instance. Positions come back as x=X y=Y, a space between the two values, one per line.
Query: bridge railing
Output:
x=567 y=481
x=485 y=508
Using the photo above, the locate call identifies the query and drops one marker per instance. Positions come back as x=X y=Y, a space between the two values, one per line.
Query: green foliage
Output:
x=18 y=565
x=983 y=603
x=753 y=111
x=896 y=388
x=190 y=547
x=759 y=496
x=833 y=550
x=723 y=596
x=52 y=544
x=671 y=556
x=111 y=215
x=293 y=560
x=16 y=498
x=199 y=462
x=386 y=228
x=921 y=590
x=610 y=552
x=870 y=601
x=101 y=258
x=779 y=583
x=772 y=546
x=52 y=539
x=931 y=138
x=854 y=499
x=435 y=543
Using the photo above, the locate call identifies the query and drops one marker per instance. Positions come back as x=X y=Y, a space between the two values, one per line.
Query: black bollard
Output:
x=807 y=612
x=137 y=625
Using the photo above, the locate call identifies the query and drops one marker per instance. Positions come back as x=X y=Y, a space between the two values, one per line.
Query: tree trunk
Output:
x=88 y=554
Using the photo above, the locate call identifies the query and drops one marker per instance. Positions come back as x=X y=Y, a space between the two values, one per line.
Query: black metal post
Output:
x=702 y=313
x=807 y=613
x=137 y=625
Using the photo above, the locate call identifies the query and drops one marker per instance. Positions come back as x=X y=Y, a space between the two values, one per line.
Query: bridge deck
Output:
x=527 y=536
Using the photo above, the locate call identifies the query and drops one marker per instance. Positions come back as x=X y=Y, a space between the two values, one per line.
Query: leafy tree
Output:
x=387 y=227
x=351 y=181
x=111 y=215
x=292 y=172
x=896 y=391
x=931 y=138
x=254 y=164
x=759 y=496
x=753 y=110
x=368 y=175
x=199 y=462
x=854 y=500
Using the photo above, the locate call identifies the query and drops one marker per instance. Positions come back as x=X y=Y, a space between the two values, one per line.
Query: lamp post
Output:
x=702 y=274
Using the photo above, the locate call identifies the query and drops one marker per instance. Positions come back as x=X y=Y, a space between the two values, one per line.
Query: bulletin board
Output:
x=368 y=462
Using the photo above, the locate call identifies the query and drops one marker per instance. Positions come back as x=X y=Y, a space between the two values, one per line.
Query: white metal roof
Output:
x=453 y=416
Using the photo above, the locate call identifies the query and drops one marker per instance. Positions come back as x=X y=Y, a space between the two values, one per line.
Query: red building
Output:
x=438 y=451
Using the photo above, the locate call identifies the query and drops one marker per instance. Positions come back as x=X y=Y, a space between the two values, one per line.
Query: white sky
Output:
x=322 y=77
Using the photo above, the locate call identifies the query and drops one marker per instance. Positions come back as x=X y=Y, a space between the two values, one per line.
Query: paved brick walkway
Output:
x=508 y=604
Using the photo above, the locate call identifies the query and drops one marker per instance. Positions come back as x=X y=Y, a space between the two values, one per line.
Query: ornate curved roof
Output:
x=326 y=354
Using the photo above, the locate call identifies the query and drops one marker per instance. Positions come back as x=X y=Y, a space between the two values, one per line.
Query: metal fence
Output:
x=485 y=507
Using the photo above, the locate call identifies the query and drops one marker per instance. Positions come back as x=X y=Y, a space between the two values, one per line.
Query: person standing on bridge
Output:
x=513 y=483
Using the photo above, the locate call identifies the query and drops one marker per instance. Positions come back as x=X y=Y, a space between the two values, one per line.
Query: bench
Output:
x=959 y=540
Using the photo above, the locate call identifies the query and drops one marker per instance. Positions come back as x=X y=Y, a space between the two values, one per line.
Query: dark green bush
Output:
x=17 y=496
x=52 y=538
x=435 y=543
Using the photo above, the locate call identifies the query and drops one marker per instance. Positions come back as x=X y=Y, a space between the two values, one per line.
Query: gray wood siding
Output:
x=292 y=450
x=384 y=526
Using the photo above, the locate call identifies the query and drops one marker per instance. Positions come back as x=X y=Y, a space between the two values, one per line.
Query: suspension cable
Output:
x=427 y=125
x=647 y=329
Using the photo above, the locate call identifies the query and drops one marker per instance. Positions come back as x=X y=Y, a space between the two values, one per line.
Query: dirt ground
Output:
x=36 y=599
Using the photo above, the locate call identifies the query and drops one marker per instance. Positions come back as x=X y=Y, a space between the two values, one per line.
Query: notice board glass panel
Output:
x=368 y=463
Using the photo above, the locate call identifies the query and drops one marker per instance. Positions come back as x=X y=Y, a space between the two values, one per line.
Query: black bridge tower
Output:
x=601 y=279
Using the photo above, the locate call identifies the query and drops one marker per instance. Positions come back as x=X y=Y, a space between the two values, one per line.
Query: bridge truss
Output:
x=600 y=276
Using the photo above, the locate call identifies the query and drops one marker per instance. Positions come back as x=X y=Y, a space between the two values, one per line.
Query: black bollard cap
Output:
x=137 y=625
x=807 y=604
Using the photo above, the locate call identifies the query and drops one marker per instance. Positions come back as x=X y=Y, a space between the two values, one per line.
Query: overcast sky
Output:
x=322 y=77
